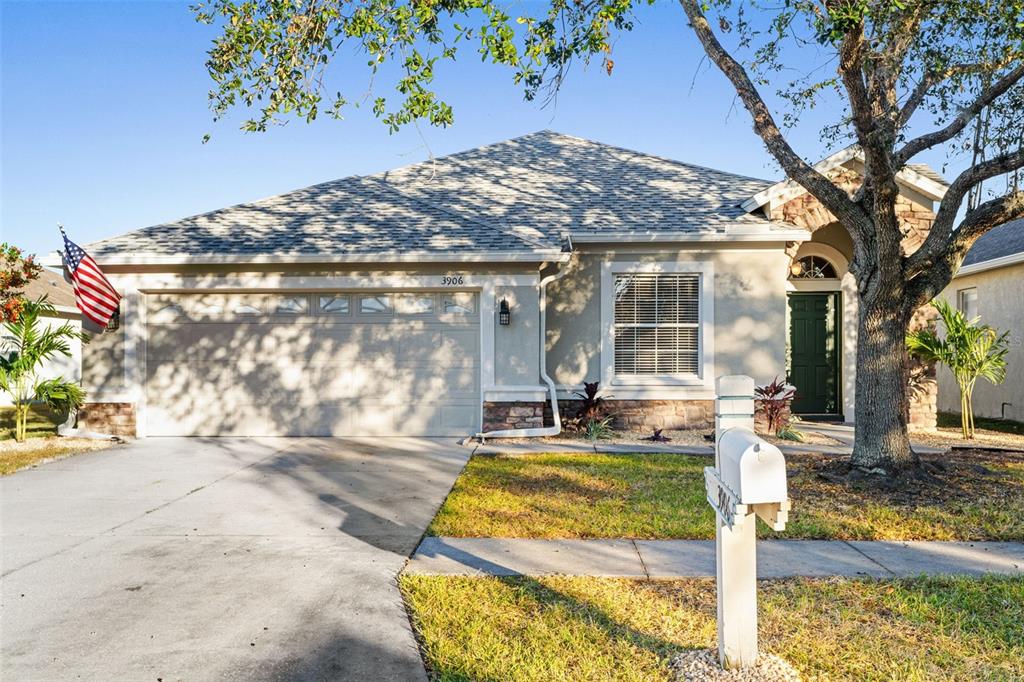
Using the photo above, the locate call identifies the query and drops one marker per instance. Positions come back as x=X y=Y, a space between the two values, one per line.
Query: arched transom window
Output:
x=812 y=267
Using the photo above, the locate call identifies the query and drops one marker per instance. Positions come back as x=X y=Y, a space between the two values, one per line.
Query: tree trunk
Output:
x=881 y=440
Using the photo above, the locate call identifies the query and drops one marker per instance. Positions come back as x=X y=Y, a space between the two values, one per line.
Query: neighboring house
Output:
x=59 y=293
x=376 y=305
x=990 y=285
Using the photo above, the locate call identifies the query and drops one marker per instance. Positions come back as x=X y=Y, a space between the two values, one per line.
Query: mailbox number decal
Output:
x=453 y=280
x=725 y=505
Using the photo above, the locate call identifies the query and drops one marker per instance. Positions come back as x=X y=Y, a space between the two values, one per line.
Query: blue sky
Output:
x=104 y=109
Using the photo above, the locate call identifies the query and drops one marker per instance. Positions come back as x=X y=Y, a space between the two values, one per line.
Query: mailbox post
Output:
x=747 y=481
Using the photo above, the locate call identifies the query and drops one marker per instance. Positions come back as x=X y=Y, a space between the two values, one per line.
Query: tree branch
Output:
x=930 y=283
x=941 y=232
x=987 y=96
x=831 y=196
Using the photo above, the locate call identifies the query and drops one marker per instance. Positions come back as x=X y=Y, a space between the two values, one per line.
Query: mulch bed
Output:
x=937 y=479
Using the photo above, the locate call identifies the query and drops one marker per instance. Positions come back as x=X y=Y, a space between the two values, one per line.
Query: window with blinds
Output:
x=657 y=324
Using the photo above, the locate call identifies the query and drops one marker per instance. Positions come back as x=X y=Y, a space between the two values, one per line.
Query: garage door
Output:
x=319 y=364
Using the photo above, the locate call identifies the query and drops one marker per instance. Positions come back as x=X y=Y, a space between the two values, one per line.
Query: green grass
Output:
x=548 y=496
x=16 y=456
x=560 y=628
x=42 y=422
x=952 y=420
x=662 y=497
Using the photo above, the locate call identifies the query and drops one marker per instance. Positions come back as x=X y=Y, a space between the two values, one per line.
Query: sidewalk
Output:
x=696 y=558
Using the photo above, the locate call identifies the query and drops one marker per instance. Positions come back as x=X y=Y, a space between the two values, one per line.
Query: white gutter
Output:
x=557 y=427
x=991 y=264
x=786 y=235
x=53 y=259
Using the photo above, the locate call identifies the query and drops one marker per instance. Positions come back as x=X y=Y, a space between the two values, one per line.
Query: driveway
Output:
x=195 y=559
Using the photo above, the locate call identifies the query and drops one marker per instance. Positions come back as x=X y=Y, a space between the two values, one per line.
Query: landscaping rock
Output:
x=701 y=665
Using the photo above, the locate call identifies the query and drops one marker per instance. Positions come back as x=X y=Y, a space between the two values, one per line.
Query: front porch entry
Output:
x=814 y=353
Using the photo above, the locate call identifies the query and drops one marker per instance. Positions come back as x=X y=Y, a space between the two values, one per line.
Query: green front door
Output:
x=814 y=352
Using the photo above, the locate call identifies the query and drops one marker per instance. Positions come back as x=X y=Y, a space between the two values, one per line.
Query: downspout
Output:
x=557 y=427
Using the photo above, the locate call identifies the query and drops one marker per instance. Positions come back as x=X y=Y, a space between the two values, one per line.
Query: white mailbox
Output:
x=747 y=481
x=753 y=469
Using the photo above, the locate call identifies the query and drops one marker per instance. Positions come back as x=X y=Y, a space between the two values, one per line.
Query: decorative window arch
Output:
x=812 y=267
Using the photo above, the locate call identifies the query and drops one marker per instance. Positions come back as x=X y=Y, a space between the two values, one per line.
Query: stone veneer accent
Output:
x=627 y=415
x=515 y=415
x=648 y=415
x=117 y=419
x=923 y=412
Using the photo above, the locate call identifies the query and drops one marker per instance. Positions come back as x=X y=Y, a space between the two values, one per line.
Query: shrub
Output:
x=592 y=404
x=790 y=432
x=598 y=429
x=774 y=400
x=27 y=344
x=971 y=350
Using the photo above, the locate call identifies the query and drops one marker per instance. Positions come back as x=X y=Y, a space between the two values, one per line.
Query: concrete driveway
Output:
x=196 y=559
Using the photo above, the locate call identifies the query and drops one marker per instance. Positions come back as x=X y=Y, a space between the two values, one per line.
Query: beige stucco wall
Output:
x=1001 y=305
x=517 y=346
x=749 y=309
x=103 y=364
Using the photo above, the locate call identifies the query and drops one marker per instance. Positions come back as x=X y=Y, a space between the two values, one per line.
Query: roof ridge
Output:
x=636 y=152
x=512 y=232
x=550 y=132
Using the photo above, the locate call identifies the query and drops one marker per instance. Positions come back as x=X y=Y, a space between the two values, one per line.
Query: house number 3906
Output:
x=453 y=280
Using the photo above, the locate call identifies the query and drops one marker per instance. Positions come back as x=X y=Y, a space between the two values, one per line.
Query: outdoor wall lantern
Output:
x=115 y=320
x=504 y=315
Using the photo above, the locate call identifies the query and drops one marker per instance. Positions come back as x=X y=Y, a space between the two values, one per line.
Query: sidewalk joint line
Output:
x=871 y=559
x=643 y=565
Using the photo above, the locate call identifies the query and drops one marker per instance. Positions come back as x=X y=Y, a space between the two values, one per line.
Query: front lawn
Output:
x=15 y=456
x=978 y=496
x=560 y=628
x=42 y=422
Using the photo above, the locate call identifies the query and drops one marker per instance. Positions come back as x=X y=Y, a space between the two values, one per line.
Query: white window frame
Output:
x=706 y=318
x=961 y=303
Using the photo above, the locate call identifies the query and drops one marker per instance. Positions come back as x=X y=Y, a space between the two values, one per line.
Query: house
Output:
x=990 y=285
x=415 y=301
x=60 y=295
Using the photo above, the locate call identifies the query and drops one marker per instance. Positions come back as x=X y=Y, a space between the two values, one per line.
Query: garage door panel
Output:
x=442 y=384
x=434 y=348
x=216 y=368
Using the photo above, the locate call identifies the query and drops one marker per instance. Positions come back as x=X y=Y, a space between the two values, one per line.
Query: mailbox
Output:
x=753 y=469
x=747 y=481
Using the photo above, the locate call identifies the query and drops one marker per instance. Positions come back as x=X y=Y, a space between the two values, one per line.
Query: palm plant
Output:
x=26 y=344
x=972 y=351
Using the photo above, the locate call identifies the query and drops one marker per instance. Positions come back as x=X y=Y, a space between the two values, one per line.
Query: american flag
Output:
x=95 y=296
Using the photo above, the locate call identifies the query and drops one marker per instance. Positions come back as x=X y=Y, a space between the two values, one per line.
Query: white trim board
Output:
x=787 y=235
x=992 y=264
x=539 y=256
x=511 y=394
x=786 y=190
x=167 y=282
x=657 y=384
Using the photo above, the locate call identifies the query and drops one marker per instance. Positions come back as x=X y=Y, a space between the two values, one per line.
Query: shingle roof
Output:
x=50 y=284
x=1005 y=240
x=521 y=195
x=351 y=215
x=554 y=184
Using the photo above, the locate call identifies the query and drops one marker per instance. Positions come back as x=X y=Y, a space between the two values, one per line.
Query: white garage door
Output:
x=318 y=364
